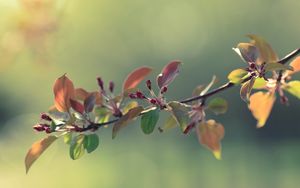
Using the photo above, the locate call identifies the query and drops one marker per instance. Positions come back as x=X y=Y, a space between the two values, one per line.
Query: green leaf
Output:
x=77 y=147
x=68 y=138
x=129 y=106
x=37 y=149
x=293 y=87
x=259 y=83
x=53 y=126
x=180 y=112
x=124 y=120
x=218 y=105
x=277 y=67
x=149 y=120
x=237 y=76
x=246 y=89
x=266 y=53
x=169 y=124
x=91 y=142
x=102 y=114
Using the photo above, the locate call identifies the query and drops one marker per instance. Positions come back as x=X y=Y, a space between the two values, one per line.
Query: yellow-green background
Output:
x=109 y=38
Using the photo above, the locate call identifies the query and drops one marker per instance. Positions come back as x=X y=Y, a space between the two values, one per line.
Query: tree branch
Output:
x=225 y=86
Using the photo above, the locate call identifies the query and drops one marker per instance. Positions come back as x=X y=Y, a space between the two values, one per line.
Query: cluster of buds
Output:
x=112 y=104
x=41 y=127
x=257 y=70
x=152 y=98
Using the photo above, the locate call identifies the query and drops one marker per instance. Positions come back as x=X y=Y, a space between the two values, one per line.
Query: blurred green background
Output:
x=109 y=38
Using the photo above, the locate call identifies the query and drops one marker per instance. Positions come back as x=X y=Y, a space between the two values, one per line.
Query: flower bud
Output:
x=149 y=85
x=163 y=90
x=100 y=83
x=39 y=127
x=132 y=96
x=140 y=95
x=111 y=86
x=153 y=101
x=46 y=117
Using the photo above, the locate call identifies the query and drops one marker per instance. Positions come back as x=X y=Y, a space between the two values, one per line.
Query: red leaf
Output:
x=63 y=91
x=77 y=106
x=168 y=74
x=81 y=94
x=135 y=77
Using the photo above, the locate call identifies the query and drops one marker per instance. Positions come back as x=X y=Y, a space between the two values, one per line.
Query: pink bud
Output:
x=100 y=83
x=148 y=83
x=111 y=86
x=140 y=95
x=45 y=116
x=153 y=101
x=39 y=127
x=163 y=90
x=132 y=96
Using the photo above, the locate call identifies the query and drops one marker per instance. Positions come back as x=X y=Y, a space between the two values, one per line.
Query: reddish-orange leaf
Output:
x=135 y=77
x=37 y=149
x=296 y=66
x=63 y=91
x=261 y=105
x=210 y=133
x=81 y=94
x=124 y=120
x=168 y=74
x=77 y=106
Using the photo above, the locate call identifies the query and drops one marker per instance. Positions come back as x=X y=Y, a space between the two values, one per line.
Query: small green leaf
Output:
x=277 y=67
x=53 y=126
x=237 y=76
x=77 y=147
x=124 y=120
x=180 y=112
x=149 y=120
x=259 y=83
x=218 y=105
x=37 y=149
x=293 y=87
x=91 y=142
x=169 y=124
x=102 y=114
x=68 y=138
